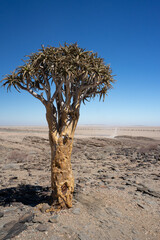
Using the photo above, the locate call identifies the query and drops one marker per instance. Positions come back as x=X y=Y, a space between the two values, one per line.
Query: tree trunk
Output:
x=62 y=180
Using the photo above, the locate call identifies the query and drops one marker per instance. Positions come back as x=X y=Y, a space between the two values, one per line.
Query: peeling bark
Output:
x=62 y=180
x=61 y=142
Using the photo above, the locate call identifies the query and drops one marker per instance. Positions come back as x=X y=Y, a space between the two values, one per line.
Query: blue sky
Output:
x=125 y=33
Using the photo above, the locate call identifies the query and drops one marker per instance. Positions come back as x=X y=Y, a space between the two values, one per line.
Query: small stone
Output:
x=134 y=232
x=45 y=206
x=11 y=166
x=130 y=192
x=1 y=214
x=82 y=236
x=53 y=219
x=9 y=225
x=13 y=178
x=101 y=184
x=10 y=210
x=41 y=228
x=14 y=230
x=120 y=188
x=27 y=217
x=76 y=211
x=19 y=205
x=37 y=219
x=140 y=205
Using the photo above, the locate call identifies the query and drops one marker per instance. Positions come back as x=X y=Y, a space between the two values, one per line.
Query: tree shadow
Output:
x=26 y=194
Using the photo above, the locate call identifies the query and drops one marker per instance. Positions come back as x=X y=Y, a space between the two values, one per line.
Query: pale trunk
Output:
x=62 y=180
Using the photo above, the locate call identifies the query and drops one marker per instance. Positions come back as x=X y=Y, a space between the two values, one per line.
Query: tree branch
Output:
x=48 y=89
x=79 y=95
x=58 y=90
x=36 y=95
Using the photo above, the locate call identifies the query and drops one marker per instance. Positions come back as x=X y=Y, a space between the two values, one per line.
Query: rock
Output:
x=53 y=219
x=1 y=214
x=11 y=166
x=10 y=210
x=130 y=192
x=148 y=191
x=113 y=212
x=76 y=211
x=14 y=230
x=134 y=231
x=82 y=236
x=19 y=205
x=9 y=225
x=27 y=217
x=32 y=152
x=45 y=206
x=120 y=188
x=13 y=178
x=41 y=228
x=37 y=219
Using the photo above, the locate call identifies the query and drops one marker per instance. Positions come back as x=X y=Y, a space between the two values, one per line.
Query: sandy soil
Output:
x=117 y=180
x=83 y=131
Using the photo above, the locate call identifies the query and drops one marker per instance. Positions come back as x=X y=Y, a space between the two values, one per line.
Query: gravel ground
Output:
x=117 y=194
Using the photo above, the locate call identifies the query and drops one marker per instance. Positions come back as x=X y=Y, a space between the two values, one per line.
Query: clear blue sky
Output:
x=126 y=33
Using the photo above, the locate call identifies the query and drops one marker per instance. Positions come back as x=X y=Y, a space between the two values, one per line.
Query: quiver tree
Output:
x=62 y=78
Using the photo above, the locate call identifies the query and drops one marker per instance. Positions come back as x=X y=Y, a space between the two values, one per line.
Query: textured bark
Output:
x=62 y=180
x=61 y=142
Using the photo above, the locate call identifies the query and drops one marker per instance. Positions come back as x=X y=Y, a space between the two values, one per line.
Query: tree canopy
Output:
x=64 y=76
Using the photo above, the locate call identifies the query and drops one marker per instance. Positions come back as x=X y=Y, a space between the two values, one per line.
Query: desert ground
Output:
x=117 y=185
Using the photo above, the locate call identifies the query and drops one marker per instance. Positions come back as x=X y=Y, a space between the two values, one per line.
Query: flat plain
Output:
x=117 y=185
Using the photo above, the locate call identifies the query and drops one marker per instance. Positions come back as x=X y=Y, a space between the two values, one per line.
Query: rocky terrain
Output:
x=117 y=190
